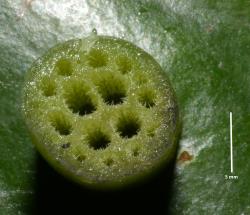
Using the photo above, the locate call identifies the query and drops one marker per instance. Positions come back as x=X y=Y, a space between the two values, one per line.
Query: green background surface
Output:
x=204 y=46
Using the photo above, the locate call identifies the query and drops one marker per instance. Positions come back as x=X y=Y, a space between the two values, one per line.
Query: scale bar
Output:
x=231 y=141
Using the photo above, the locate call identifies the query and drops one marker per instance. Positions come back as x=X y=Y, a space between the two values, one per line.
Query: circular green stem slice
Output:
x=101 y=111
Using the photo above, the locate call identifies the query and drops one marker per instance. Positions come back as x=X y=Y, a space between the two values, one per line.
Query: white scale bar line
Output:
x=231 y=141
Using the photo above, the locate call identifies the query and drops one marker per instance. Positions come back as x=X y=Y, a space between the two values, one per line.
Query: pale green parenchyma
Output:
x=101 y=111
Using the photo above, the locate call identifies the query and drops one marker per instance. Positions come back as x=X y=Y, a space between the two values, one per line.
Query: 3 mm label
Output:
x=231 y=177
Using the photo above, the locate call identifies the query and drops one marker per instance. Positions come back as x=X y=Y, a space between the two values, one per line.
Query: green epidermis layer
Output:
x=100 y=106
